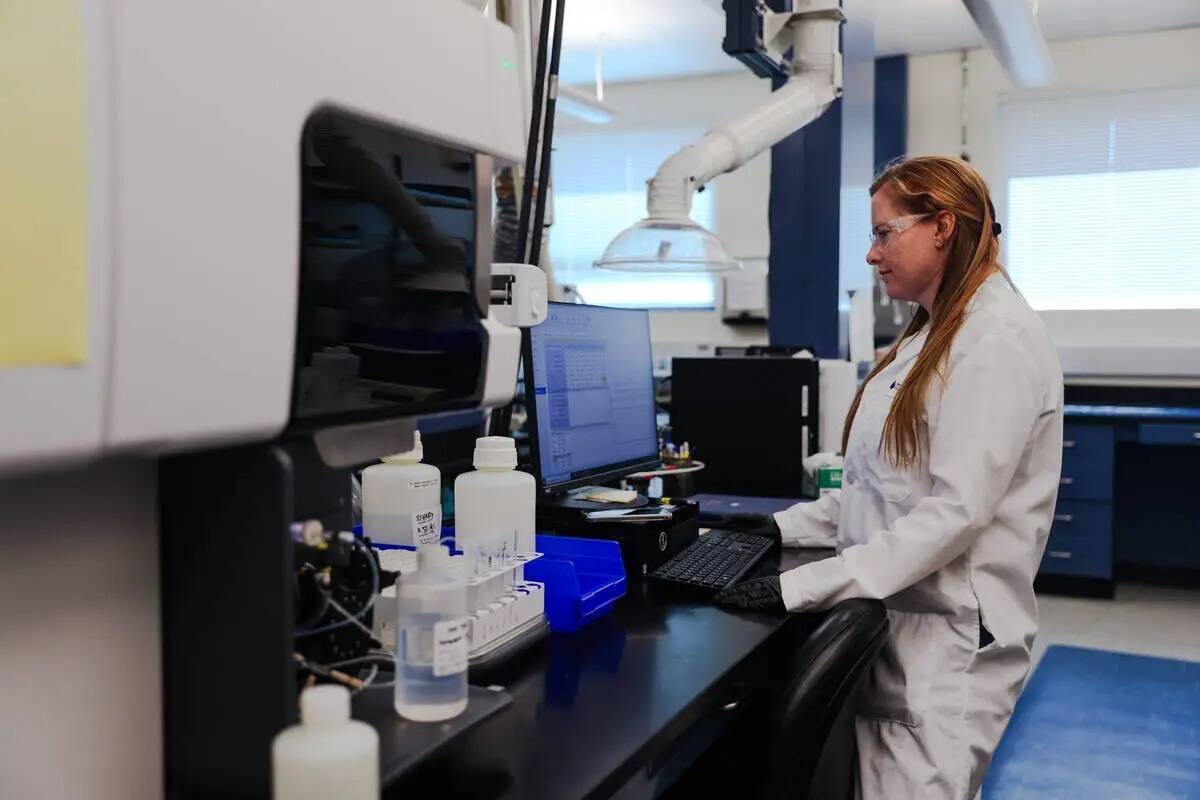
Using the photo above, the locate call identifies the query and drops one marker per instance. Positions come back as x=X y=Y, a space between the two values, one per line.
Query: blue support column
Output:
x=891 y=110
x=806 y=179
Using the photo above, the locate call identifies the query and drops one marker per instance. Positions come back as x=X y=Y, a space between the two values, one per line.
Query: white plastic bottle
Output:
x=327 y=754
x=431 y=638
x=495 y=498
x=402 y=499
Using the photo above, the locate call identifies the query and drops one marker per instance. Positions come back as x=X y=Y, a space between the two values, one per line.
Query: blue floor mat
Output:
x=1097 y=725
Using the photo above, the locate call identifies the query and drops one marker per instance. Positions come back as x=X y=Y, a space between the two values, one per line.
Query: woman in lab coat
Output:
x=953 y=448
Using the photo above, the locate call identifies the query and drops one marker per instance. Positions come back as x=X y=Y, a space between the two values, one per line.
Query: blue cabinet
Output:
x=1081 y=539
x=1087 y=469
x=1128 y=496
x=1179 y=434
x=1080 y=542
x=1077 y=556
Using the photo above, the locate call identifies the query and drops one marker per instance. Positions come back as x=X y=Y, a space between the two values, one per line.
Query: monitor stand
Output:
x=571 y=500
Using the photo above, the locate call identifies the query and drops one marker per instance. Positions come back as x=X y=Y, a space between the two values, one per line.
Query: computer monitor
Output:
x=590 y=396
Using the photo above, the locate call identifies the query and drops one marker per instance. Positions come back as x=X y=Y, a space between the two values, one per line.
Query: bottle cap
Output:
x=327 y=704
x=495 y=452
x=412 y=456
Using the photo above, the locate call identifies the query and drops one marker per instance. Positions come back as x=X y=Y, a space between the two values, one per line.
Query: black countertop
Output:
x=592 y=708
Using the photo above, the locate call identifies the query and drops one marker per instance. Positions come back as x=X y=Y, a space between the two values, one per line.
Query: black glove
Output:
x=757 y=594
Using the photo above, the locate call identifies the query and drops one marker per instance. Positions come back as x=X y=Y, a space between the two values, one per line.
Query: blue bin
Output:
x=583 y=577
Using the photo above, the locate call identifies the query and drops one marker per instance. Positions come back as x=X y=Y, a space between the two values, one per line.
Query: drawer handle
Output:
x=1068 y=444
x=1064 y=517
x=1196 y=434
x=1066 y=481
x=1059 y=554
x=730 y=706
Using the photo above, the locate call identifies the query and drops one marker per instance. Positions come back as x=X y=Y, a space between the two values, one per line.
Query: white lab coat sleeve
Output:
x=812 y=524
x=989 y=406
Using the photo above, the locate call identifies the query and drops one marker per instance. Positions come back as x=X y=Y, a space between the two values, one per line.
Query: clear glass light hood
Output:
x=666 y=246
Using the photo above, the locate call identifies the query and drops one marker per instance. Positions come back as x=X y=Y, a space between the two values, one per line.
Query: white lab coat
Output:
x=952 y=543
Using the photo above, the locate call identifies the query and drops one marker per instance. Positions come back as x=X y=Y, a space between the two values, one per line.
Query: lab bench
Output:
x=621 y=708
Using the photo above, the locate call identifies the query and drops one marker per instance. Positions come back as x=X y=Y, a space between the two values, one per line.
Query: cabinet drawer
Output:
x=1087 y=469
x=1184 y=434
x=1079 y=555
x=1087 y=442
x=1086 y=518
x=1086 y=482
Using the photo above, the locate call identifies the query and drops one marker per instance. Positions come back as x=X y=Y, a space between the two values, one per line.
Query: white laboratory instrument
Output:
x=193 y=137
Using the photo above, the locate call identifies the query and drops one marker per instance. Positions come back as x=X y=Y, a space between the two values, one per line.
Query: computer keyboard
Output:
x=714 y=561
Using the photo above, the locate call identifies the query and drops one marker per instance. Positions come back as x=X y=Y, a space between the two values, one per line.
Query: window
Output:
x=1102 y=203
x=599 y=190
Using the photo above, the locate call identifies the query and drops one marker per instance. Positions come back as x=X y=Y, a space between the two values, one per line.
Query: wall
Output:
x=1154 y=343
x=80 y=681
x=741 y=196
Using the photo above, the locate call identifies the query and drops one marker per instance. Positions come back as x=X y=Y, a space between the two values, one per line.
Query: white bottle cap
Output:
x=324 y=705
x=495 y=452
x=412 y=456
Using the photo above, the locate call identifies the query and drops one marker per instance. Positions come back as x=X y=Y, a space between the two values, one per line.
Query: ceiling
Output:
x=654 y=39
x=642 y=39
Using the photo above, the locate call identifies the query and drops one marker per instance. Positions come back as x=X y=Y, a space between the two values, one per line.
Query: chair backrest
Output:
x=811 y=746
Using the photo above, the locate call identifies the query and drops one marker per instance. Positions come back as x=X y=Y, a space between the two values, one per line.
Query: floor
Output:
x=1147 y=620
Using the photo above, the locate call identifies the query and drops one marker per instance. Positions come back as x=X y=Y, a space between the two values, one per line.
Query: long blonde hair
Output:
x=929 y=184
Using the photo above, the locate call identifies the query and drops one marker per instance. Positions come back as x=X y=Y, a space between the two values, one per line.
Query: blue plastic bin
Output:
x=583 y=577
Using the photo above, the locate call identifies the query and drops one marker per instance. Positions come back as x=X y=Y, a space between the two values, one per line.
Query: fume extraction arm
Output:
x=804 y=44
x=668 y=241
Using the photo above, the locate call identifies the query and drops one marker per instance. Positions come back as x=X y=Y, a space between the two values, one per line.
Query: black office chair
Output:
x=811 y=751
x=794 y=735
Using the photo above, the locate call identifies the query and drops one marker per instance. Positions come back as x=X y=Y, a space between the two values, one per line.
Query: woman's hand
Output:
x=757 y=594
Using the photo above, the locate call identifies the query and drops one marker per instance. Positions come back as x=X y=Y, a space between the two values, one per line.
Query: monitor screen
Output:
x=591 y=394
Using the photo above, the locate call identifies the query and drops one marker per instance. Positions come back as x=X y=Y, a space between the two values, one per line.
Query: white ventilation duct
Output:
x=1012 y=32
x=668 y=241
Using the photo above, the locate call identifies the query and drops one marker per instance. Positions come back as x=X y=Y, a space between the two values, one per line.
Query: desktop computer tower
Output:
x=645 y=546
x=752 y=421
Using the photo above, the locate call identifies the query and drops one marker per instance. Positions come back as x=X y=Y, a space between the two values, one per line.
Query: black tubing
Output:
x=535 y=247
x=535 y=128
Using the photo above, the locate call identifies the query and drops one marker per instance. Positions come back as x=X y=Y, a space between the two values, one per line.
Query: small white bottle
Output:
x=431 y=638
x=495 y=498
x=402 y=499
x=327 y=754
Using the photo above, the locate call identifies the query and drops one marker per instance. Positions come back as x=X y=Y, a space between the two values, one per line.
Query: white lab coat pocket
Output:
x=897 y=689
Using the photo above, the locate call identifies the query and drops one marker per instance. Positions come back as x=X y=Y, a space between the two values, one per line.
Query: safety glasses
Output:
x=881 y=232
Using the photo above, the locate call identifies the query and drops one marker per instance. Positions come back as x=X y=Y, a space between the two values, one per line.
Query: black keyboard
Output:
x=714 y=561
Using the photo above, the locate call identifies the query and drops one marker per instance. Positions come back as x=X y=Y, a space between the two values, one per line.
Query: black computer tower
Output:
x=752 y=421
